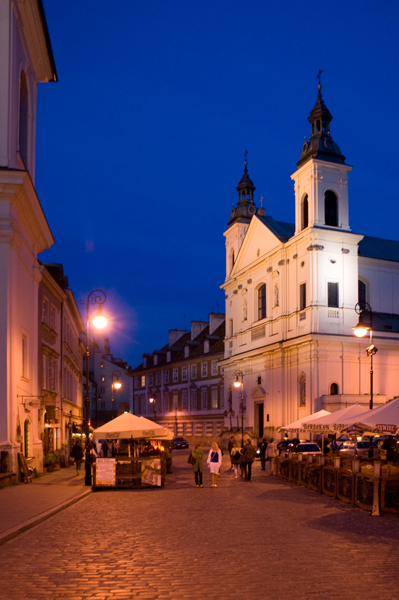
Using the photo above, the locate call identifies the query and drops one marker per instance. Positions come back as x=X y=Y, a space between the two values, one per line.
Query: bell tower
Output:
x=240 y=218
x=321 y=179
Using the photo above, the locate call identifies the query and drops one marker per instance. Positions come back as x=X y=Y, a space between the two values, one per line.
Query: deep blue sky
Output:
x=140 y=144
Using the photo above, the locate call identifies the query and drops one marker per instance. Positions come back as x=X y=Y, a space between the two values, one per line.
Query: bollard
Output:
x=376 y=496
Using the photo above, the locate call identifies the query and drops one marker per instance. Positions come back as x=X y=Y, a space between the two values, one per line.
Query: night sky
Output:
x=140 y=144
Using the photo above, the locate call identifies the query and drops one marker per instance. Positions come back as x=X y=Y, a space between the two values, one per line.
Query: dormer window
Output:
x=206 y=346
x=155 y=360
x=186 y=351
x=168 y=356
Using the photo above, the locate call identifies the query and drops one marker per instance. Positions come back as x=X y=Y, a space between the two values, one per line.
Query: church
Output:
x=295 y=291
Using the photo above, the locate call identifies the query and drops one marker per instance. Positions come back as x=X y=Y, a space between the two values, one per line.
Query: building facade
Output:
x=291 y=292
x=25 y=60
x=60 y=361
x=184 y=381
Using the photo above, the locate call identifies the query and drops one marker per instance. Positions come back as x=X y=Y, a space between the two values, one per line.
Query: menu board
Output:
x=105 y=471
x=151 y=472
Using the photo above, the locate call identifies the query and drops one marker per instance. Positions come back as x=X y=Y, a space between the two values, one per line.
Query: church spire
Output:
x=320 y=145
x=245 y=206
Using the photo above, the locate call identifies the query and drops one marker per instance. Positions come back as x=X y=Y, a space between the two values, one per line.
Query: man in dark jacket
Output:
x=77 y=455
x=262 y=451
x=248 y=457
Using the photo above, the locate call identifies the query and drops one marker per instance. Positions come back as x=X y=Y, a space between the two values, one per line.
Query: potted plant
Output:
x=49 y=461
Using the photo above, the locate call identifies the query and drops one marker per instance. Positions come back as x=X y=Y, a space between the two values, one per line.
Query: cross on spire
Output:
x=318 y=76
x=261 y=201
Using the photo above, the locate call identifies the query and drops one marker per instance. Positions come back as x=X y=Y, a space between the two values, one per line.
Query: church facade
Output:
x=291 y=292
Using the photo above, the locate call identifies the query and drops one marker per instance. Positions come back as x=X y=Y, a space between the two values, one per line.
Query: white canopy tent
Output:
x=129 y=426
x=337 y=421
x=383 y=419
x=297 y=426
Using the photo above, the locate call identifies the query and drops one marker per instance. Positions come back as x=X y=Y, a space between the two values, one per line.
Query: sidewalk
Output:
x=24 y=505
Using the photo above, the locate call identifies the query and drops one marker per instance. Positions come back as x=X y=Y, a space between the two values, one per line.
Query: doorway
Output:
x=260 y=419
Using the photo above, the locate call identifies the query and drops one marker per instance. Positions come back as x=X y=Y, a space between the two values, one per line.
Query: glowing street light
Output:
x=360 y=331
x=153 y=401
x=240 y=375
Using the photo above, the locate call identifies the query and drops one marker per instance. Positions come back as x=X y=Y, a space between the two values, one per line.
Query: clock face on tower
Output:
x=329 y=144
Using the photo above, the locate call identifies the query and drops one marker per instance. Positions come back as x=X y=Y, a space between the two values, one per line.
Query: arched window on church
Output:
x=305 y=212
x=302 y=390
x=331 y=209
x=23 y=119
x=262 y=302
x=362 y=293
x=232 y=260
x=334 y=389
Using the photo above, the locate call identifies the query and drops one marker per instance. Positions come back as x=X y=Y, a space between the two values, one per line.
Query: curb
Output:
x=15 y=531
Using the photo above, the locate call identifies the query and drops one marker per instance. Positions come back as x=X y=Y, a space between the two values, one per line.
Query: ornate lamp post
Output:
x=153 y=401
x=99 y=321
x=117 y=386
x=240 y=375
x=361 y=329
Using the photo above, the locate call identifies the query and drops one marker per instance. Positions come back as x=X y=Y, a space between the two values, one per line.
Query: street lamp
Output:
x=240 y=375
x=153 y=401
x=99 y=321
x=115 y=385
x=360 y=331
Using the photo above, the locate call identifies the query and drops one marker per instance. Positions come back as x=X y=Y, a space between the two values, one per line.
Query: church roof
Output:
x=372 y=247
x=283 y=231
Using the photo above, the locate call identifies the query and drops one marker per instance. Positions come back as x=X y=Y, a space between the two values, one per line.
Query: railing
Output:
x=371 y=485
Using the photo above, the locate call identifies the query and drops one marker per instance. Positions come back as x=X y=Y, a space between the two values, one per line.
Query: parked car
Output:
x=179 y=443
x=308 y=448
x=360 y=448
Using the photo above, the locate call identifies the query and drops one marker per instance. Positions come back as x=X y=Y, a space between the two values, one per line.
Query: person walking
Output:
x=262 y=451
x=247 y=459
x=77 y=454
x=230 y=446
x=235 y=458
x=271 y=453
x=197 y=466
x=214 y=462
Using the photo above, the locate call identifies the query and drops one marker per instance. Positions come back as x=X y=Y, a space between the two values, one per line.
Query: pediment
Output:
x=259 y=241
x=258 y=392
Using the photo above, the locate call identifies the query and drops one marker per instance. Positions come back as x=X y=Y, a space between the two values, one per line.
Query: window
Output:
x=334 y=389
x=184 y=399
x=136 y=381
x=302 y=390
x=166 y=376
x=231 y=328
x=214 y=398
x=204 y=398
x=184 y=373
x=193 y=371
x=102 y=366
x=305 y=212
x=206 y=346
x=175 y=400
x=231 y=259
x=186 y=351
x=175 y=375
x=158 y=378
x=103 y=378
x=193 y=399
x=150 y=379
x=302 y=296
x=362 y=293
x=204 y=369
x=168 y=356
x=45 y=312
x=52 y=318
x=143 y=381
x=331 y=209
x=333 y=294
x=262 y=302
x=155 y=360
x=102 y=390
x=214 y=367
x=24 y=356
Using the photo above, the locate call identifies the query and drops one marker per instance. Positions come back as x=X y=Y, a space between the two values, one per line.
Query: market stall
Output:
x=136 y=453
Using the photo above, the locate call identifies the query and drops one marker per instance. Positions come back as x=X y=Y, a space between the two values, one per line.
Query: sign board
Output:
x=151 y=472
x=105 y=471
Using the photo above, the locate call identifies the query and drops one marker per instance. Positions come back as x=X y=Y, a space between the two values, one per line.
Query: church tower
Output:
x=240 y=218
x=321 y=180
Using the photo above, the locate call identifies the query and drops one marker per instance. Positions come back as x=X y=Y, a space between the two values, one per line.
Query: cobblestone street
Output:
x=264 y=539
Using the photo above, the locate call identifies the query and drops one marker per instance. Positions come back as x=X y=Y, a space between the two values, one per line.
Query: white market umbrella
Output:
x=336 y=421
x=128 y=426
x=297 y=426
x=383 y=419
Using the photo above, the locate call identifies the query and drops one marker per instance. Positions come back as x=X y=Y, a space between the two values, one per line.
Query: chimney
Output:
x=197 y=327
x=174 y=335
x=215 y=319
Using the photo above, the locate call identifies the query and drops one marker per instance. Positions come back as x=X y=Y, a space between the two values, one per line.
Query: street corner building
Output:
x=181 y=384
x=291 y=290
x=40 y=351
